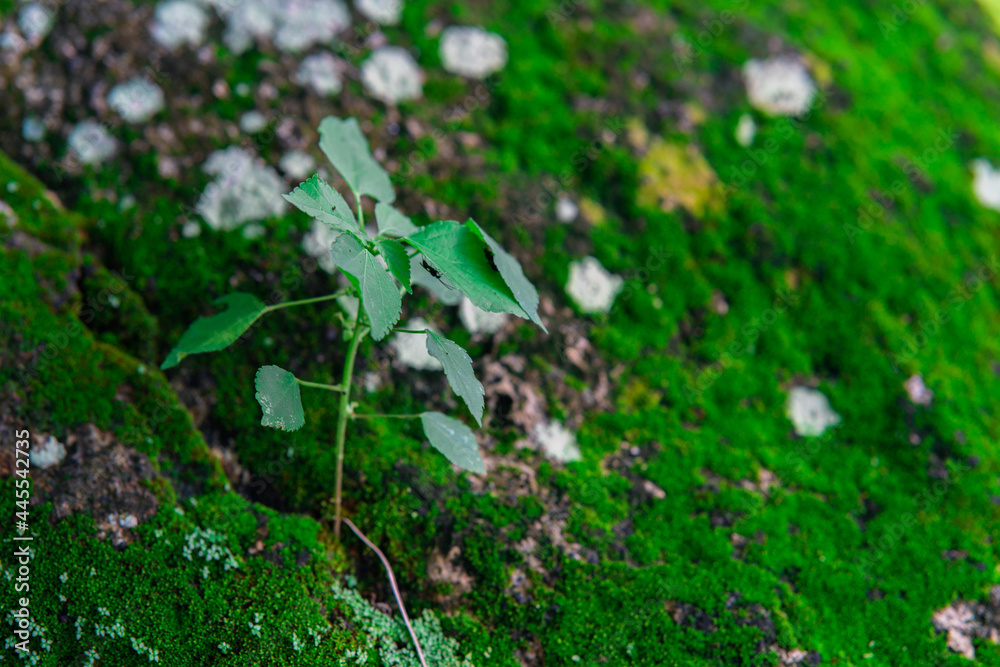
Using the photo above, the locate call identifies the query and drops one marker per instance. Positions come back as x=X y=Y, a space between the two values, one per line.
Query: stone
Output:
x=392 y=75
x=471 y=51
x=592 y=287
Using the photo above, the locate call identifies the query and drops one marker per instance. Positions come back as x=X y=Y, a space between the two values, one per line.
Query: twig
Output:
x=392 y=583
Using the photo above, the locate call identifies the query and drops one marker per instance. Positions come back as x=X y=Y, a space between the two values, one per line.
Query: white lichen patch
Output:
x=918 y=391
x=592 y=287
x=556 y=441
x=472 y=52
x=245 y=190
x=316 y=243
x=566 y=209
x=392 y=75
x=48 y=454
x=384 y=12
x=90 y=143
x=411 y=349
x=320 y=72
x=33 y=129
x=477 y=320
x=137 y=100
x=177 y=22
x=986 y=184
x=35 y=22
x=253 y=121
x=297 y=165
x=746 y=130
x=810 y=412
x=292 y=25
x=779 y=86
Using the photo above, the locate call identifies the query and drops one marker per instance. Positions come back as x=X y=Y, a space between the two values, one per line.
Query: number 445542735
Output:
x=22 y=466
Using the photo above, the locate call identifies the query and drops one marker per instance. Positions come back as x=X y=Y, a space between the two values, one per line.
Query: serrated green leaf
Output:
x=319 y=199
x=209 y=334
x=460 y=255
x=392 y=222
x=279 y=398
x=379 y=295
x=446 y=293
x=396 y=259
x=512 y=273
x=345 y=146
x=453 y=439
x=458 y=369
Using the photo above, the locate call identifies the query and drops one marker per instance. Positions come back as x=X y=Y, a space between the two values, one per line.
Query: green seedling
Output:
x=464 y=255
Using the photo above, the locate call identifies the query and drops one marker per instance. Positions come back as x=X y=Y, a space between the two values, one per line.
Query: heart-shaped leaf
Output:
x=453 y=439
x=320 y=200
x=347 y=149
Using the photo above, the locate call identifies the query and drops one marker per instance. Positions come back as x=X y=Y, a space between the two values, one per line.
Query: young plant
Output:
x=464 y=255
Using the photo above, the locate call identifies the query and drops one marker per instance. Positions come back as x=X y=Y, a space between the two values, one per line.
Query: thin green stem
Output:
x=361 y=212
x=378 y=415
x=302 y=302
x=413 y=331
x=319 y=385
x=345 y=399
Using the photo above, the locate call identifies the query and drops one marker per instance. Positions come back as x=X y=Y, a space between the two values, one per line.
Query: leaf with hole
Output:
x=396 y=259
x=215 y=332
x=453 y=439
x=345 y=146
x=380 y=297
x=279 y=398
x=459 y=254
x=512 y=273
x=320 y=200
x=458 y=369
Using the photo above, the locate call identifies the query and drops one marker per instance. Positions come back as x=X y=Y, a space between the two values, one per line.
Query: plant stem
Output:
x=345 y=399
x=361 y=212
x=374 y=415
x=318 y=385
x=392 y=584
x=302 y=302
x=413 y=331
